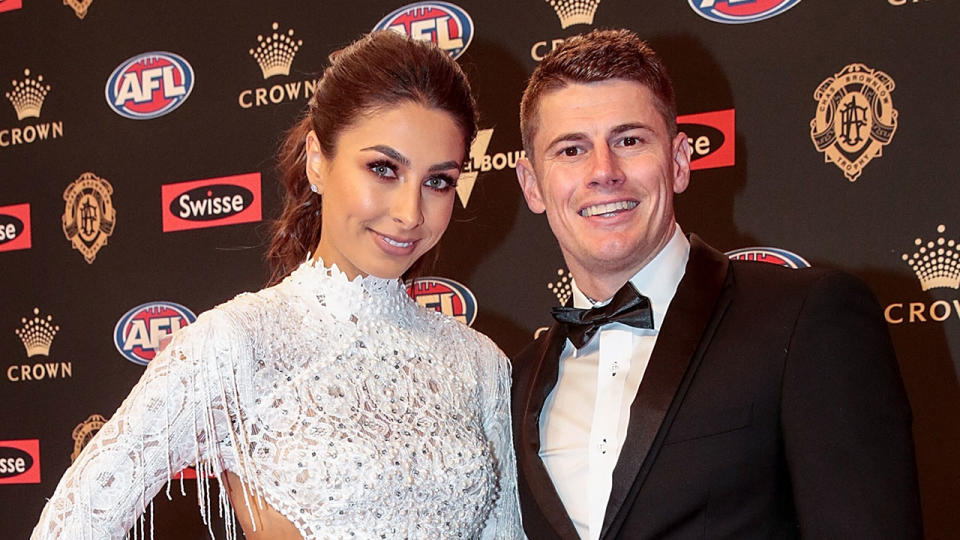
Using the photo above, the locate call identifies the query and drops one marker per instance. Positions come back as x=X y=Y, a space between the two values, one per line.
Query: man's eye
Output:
x=630 y=141
x=570 y=151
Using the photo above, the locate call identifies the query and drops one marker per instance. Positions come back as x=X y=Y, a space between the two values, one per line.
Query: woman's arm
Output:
x=174 y=417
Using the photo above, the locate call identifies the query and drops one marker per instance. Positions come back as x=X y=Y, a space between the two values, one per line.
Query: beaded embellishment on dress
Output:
x=341 y=403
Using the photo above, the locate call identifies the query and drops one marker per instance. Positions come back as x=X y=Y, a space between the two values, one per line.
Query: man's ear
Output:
x=528 y=184
x=681 y=162
x=316 y=162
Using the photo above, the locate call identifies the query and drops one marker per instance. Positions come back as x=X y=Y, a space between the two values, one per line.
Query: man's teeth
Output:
x=609 y=208
x=393 y=242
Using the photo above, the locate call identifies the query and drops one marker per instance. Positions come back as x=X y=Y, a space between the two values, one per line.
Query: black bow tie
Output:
x=628 y=306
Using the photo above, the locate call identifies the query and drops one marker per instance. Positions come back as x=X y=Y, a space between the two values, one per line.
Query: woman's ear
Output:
x=316 y=163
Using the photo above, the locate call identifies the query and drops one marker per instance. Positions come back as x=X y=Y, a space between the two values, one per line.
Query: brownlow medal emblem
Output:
x=89 y=217
x=855 y=118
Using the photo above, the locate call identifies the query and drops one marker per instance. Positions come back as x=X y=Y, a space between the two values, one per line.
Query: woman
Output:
x=330 y=404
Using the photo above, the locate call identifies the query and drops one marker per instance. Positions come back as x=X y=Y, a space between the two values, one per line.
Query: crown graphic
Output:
x=936 y=262
x=573 y=12
x=37 y=334
x=275 y=52
x=561 y=288
x=27 y=96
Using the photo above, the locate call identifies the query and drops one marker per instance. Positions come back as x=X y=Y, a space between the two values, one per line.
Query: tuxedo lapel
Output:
x=693 y=307
x=542 y=379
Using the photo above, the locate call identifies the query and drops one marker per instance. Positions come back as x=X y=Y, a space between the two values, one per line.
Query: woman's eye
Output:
x=439 y=183
x=384 y=170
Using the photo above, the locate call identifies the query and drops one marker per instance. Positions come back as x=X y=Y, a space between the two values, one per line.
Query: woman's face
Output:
x=389 y=190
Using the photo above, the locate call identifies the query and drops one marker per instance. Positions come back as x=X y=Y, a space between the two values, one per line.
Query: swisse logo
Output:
x=20 y=461
x=15 y=227
x=740 y=11
x=711 y=136
x=10 y=5
x=769 y=255
x=213 y=202
x=149 y=85
x=443 y=23
x=139 y=332
x=446 y=296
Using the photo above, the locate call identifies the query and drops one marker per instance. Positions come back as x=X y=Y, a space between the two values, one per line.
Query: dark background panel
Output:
x=779 y=192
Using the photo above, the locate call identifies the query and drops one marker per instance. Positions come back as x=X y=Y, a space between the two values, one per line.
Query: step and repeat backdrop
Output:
x=137 y=183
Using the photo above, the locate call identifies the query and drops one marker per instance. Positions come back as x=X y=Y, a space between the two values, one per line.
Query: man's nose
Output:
x=605 y=167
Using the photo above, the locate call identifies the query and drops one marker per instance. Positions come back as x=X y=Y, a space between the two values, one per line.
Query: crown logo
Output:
x=37 y=334
x=573 y=12
x=275 y=52
x=936 y=262
x=27 y=96
x=561 y=288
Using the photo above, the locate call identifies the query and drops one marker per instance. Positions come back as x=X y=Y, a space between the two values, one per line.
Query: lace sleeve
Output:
x=174 y=417
x=504 y=522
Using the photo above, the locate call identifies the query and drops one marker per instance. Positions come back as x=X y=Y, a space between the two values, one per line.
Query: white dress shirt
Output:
x=584 y=419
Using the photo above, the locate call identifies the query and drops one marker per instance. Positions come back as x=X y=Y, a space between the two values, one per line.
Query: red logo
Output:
x=14 y=226
x=20 y=461
x=213 y=202
x=447 y=296
x=711 y=136
x=10 y=5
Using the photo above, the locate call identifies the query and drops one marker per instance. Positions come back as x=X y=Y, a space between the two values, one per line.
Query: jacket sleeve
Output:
x=173 y=418
x=846 y=420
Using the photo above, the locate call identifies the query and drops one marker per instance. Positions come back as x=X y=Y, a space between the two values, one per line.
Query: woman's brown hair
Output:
x=375 y=72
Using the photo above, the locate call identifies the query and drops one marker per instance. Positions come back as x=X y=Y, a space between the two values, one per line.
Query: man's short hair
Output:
x=598 y=56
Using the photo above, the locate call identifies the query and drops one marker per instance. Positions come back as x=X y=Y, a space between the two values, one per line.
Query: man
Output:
x=753 y=401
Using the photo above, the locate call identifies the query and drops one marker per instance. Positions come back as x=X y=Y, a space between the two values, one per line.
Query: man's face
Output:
x=605 y=169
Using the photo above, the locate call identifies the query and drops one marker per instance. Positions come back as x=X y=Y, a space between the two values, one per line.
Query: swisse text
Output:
x=14 y=461
x=10 y=228
x=211 y=202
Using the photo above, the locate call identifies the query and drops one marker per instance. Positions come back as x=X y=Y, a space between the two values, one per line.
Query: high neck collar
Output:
x=344 y=296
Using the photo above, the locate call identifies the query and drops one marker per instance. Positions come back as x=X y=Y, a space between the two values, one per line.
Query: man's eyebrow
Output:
x=568 y=137
x=405 y=161
x=616 y=130
x=630 y=126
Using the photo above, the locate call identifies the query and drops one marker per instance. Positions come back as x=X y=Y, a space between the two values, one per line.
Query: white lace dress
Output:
x=343 y=404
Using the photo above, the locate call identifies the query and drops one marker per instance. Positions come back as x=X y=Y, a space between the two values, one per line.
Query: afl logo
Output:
x=740 y=11
x=149 y=85
x=446 y=296
x=769 y=255
x=139 y=332
x=445 y=24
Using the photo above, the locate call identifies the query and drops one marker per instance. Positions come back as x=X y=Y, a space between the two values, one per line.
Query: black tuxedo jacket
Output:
x=772 y=407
